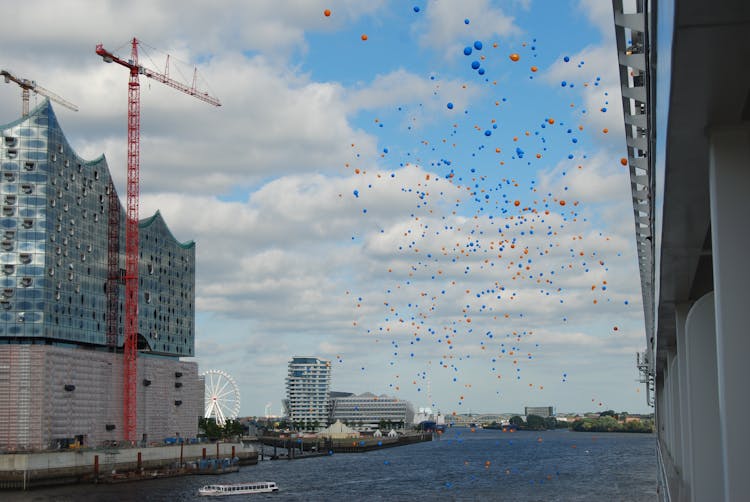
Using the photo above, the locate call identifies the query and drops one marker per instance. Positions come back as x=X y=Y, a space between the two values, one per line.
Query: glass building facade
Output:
x=54 y=217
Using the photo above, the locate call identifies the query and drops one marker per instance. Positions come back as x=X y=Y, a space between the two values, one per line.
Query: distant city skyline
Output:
x=458 y=237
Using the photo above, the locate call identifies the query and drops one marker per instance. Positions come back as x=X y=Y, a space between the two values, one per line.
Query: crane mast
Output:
x=130 y=369
x=27 y=85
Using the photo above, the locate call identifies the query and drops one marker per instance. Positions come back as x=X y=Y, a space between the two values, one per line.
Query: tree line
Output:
x=608 y=421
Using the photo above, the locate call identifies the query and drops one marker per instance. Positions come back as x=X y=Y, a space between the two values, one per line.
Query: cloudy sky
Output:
x=460 y=237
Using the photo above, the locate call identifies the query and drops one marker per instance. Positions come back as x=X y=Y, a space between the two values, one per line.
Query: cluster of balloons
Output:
x=485 y=244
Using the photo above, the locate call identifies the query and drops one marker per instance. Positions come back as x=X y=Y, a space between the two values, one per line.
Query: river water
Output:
x=462 y=465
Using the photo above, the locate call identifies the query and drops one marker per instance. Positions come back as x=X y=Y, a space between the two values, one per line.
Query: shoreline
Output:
x=23 y=471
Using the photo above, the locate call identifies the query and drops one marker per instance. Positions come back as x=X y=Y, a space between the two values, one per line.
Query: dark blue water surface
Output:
x=462 y=465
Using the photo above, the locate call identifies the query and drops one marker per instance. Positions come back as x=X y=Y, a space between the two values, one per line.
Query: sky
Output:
x=448 y=228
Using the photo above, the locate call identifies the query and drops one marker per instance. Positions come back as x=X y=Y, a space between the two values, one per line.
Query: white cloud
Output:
x=285 y=249
x=444 y=30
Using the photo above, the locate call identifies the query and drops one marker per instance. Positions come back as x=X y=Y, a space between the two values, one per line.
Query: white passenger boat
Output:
x=238 y=489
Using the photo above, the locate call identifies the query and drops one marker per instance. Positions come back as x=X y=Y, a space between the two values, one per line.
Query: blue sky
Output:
x=342 y=209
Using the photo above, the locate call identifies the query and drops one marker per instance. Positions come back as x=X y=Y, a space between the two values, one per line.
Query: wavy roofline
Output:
x=37 y=111
x=147 y=222
x=143 y=223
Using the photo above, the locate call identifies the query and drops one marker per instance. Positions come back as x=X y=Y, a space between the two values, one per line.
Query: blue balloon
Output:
x=488 y=133
x=416 y=8
x=478 y=45
x=467 y=51
x=566 y=59
x=466 y=21
x=481 y=71
x=475 y=65
x=450 y=106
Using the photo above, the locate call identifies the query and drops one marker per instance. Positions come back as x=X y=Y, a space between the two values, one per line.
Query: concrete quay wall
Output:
x=26 y=470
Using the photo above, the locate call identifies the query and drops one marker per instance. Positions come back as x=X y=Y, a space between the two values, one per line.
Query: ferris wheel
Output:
x=222 y=396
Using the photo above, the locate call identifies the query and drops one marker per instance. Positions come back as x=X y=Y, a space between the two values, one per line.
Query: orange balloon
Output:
x=605 y=130
x=624 y=161
x=562 y=202
x=534 y=69
x=364 y=36
x=514 y=57
x=517 y=203
x=551 y=121
x=327 y=12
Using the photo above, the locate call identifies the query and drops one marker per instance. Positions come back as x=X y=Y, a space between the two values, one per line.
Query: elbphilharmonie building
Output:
x=61 y=324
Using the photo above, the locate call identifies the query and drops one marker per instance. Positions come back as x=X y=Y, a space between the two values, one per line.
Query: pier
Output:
x=306 y=447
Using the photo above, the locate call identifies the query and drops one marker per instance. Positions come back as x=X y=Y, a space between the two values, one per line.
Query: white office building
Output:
x=368 y=410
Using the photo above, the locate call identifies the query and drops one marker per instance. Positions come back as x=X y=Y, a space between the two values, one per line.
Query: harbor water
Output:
x=461 y=465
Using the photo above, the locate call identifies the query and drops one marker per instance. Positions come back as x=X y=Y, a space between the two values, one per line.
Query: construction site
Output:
x=97 y=306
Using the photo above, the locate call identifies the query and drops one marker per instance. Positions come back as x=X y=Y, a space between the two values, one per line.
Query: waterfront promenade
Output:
x=28 y=470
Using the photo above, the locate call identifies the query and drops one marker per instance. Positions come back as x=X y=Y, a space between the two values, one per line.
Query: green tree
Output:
x=550 y=423
x=233 y=428
x=535 y=423
x=517 y=421
x=209 y=428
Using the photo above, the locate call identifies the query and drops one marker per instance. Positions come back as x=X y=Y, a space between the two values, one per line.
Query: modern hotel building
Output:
x=308 y=386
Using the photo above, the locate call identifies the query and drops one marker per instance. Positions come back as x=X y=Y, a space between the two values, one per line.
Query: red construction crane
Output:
x=130 y=371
